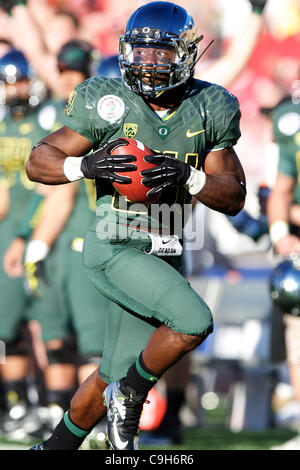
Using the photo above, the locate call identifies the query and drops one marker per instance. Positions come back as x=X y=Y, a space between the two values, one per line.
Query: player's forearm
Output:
x=41 y=12
x=225 y=70
x=223 y=193
x=57 y=209
x=279 y=211
x=46 y=165
x=278 y=206
x=295 y=214
x=4 y=200
x=31 y=42
x=54 y=160
x=28 y=38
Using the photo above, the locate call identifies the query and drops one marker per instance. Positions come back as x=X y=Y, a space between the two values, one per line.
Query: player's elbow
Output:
x=31 y=168
x=237 y=201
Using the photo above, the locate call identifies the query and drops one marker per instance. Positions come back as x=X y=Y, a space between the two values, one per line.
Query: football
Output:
x=135 y=191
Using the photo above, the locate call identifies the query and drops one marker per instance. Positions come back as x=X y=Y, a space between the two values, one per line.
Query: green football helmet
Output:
x=285 y=285
x=159 y=48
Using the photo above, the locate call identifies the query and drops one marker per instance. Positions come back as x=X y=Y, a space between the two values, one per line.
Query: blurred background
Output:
x=238 y=380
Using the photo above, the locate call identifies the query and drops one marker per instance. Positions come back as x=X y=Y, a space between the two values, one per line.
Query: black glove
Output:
x=258 y=5
x=168 y=172
x=101 y=164
x=35 y=280
x=7 y=5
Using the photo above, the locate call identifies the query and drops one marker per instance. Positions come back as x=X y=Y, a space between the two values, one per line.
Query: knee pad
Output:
x=17 y=347
x=84 y=359
x=64 y=355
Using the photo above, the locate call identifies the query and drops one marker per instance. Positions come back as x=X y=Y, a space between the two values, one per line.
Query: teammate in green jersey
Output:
x=194 y=125
x=284 y=222
x=53 y=264
x=68 y=288
x=20 y=128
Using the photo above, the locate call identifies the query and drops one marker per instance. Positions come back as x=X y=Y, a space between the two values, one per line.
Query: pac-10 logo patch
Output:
x=111 y=108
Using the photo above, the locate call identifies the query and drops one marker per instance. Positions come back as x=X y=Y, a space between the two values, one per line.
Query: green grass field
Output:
x=202 y=439
x=211 y=439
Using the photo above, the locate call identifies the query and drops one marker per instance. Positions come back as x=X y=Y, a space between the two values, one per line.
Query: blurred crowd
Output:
x=271 y=73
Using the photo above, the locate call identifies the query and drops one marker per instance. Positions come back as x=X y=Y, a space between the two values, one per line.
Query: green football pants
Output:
x=149 y=288
x=14 y=301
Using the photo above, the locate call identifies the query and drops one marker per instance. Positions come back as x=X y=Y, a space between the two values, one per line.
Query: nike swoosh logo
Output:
x=121 y=445
x=164 y=242
x=192 y=134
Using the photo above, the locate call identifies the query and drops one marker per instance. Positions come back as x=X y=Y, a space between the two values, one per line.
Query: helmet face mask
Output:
x=17 y=94
x=156 y=54
x=19 y=88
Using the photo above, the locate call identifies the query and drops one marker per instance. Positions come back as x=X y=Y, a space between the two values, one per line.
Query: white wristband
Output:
x=72 y=168
x=278 y=230
x=196 y=181
x=37 y=250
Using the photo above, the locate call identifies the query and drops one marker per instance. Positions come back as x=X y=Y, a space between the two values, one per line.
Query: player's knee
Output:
x=190 y=342
x=195 y=324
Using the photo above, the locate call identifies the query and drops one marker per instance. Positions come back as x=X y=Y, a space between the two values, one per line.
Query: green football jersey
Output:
x=103 y=109
x=17 y=138
x=286 y=129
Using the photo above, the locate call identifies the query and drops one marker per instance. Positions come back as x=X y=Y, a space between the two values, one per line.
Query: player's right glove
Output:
x=35 y=280
x=101 y=164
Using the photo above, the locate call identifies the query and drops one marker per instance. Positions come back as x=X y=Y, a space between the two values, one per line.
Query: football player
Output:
x=223 y=71
x=157 y=317
x=283 y=211
x=54 y=273
x=20 y=128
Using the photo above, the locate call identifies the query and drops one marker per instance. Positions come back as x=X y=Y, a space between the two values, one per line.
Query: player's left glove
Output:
x=102 y=164
x=168 y=172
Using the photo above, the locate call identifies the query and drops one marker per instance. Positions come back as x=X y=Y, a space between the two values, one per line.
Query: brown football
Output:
x=136 y=191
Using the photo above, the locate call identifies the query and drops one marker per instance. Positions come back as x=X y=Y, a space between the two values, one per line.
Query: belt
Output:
x=158 y=231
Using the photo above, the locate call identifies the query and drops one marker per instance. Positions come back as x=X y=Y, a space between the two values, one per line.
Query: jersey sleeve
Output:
x=223 y=119
x=77 y=113
x=287 y=162
x=286 y=125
